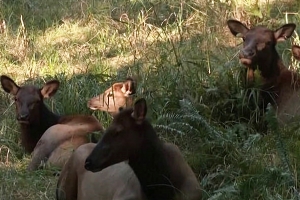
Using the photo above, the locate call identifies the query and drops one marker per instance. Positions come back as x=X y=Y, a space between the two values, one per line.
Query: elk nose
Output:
x=88 y=164
x=248 y=53
x=23 y=116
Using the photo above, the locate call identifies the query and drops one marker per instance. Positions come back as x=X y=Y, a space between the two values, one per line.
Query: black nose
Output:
x=248 y=53
x=88 y=163
x=23 y=116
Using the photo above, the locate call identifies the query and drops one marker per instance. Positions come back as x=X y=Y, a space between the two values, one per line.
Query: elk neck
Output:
x=32 y=132
x=151 y=167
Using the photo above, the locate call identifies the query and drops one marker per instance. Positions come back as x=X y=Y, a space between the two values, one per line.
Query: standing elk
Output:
x=279 y=84
x=162 y=172
x=47 y=136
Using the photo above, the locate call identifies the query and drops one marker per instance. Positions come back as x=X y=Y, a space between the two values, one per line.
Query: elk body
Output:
x=279 y=84
x=47 y=136
x=162 y=172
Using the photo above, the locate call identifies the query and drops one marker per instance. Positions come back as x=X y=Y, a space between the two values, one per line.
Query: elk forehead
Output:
x=29 y=92
x=260 y=34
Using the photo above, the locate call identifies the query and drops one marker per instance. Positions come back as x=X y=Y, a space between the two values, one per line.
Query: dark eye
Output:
x=110 y=94
x=118 y=130
x=244 y=39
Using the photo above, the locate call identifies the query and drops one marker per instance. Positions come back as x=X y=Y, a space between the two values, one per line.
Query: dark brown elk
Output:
x=47 y=136
x=160 y=167
x=118 y=95
x=259 y=53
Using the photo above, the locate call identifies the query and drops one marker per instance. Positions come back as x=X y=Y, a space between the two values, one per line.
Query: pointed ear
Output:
x=9 y=85
x=50 y=88
x=237 y=28
x=296 y=52
x=139 y=110
x=128 y=87
x=284 y=32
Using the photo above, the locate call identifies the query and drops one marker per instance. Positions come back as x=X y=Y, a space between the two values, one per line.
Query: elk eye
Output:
x=110 y=94
x=261 y=46
x=31 y=106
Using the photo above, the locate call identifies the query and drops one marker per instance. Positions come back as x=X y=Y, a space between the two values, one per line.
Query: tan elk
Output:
x=118 y=95
x=162 y=172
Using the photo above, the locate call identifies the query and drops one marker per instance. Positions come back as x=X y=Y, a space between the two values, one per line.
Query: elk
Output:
x=118 y=95
x=117 y=182
x=49 y=137
x=162 y=172
x=279 y=84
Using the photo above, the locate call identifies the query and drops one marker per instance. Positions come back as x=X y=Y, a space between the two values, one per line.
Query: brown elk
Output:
x=117 y=182
x=258 y=52
x=44 y=134
x=160 y=167
x=118 y=95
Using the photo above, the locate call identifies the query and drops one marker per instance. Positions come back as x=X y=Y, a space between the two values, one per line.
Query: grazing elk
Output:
x=118 y=95
x=47 y=136
x=160 y=167
x=278 y=82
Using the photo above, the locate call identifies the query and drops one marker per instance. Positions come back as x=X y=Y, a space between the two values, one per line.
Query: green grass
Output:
x=186 y=65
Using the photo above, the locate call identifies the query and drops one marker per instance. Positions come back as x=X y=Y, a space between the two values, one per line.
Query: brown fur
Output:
x=160 y=167
x=279 y=84
x=45 y=134
x=117 y=96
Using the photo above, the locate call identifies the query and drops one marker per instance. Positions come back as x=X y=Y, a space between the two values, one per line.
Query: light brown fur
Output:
x=60 y=140
x=118 y=95
x=117 y=182
x=75 y=182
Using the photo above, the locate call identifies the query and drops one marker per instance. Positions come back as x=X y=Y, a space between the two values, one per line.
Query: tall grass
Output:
x=185 y=62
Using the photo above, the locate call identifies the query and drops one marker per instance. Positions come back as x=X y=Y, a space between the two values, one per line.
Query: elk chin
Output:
x=24 y=122
x=246 y=61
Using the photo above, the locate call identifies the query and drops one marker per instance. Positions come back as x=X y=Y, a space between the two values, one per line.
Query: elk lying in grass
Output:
x=279 y=84
x=47 y=136
x=160 y=167
x=118 y=95
x=117 y=182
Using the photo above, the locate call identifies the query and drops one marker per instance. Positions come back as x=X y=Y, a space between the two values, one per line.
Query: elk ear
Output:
x=296 y=52
x=139 y=110
x=50 y=88
x=237 y=28
x=128 y=87
x=284 y=32
x=9 y=85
